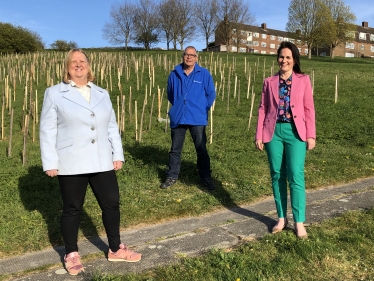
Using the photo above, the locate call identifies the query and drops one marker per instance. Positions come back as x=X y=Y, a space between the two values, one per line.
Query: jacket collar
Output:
x=73 y=95
x=274 y=84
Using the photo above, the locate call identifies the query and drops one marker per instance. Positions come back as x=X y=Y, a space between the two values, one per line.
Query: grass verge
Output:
x=338 y=249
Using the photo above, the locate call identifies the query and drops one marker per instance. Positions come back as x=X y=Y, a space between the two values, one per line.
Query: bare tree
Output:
x=305 y=21
x=185 y=25
x=206 y=18
x=119 y=30
x=343 y=23
x=146 y=23
x=233 y=14
x=167 y=17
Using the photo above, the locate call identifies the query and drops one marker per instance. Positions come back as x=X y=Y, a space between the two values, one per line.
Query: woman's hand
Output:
x=117 y=165
x=310 y=143
x=259 y=145
x=52 y=173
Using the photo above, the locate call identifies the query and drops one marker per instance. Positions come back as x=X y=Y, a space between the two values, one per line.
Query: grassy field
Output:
x=340 y=249
x=30 y=201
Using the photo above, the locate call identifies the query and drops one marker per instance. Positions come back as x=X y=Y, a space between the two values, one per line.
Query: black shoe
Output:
x=208 y=184
x=169 y=182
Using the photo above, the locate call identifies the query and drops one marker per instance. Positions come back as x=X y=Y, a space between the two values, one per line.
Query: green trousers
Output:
x=286 y=154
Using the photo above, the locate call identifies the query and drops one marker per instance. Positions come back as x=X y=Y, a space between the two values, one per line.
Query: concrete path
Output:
x=165 y=243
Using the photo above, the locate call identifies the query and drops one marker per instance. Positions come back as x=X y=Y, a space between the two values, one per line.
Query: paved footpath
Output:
x=165 y=243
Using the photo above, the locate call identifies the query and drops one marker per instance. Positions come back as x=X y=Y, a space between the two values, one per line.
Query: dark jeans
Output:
x=73 y=190
x=199 y=139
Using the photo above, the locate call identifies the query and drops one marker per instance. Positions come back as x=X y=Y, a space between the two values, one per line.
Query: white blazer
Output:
x=77 y=137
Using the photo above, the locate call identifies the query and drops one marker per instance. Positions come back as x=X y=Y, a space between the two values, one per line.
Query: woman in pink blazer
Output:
x=286 y=128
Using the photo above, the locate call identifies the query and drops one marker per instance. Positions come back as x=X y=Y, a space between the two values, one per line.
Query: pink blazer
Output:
x=302 y=107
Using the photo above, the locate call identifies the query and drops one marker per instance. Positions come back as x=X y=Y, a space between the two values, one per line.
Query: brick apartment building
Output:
x=263 y=40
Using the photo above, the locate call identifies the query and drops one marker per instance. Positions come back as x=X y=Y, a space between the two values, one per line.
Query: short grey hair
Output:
x=190 y=47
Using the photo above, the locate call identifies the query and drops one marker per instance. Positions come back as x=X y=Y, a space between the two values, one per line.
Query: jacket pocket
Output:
x=64 y=143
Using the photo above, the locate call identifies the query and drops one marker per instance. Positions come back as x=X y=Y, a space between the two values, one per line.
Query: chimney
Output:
x=365 y=24
x=263 y=26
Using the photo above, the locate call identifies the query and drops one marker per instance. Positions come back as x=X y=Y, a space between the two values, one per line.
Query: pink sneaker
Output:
x=124 y=254
x=73 y=263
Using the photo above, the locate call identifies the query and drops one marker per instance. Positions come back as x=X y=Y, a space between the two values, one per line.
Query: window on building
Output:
x=249 y=34
x=272 y=37
x=280 y=38
x=349 y=45
x=299 y=50
x=242 y=50
x=234 y=31
x=263 y=44
x=349 y=55
x=272 y=53
x=243 y=41
x=255 y=43
x=242 y=32
x=286 y=39
x=263 y=36
x=272 y=46
x=255 y=51
x=292 y=41
x=256 y=34
x=298 y=42
x=263 y=52
x=306 y=51
x=372 y=49
x=249 y=43
x=362 y=47
x=371 y=37
x=362 y=36
x=234 y=49
x=234 y=40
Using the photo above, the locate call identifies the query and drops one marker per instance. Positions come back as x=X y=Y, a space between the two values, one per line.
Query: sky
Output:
x=82 y=21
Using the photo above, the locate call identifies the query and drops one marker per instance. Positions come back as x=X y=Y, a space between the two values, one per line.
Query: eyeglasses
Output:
x=190 y=55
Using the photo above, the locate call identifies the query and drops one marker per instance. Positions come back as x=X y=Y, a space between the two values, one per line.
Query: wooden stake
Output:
x=10 y=133
x=336 y=88
x=250 y=114
x=27 y=119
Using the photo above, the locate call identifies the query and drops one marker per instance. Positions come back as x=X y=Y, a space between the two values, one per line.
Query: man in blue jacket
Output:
x=191 y=93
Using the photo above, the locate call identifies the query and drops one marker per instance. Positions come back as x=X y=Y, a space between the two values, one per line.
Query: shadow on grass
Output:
x=155 y=157
x=41 y=193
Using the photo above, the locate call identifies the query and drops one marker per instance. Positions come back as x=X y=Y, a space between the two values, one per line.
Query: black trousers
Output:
x=73 y=190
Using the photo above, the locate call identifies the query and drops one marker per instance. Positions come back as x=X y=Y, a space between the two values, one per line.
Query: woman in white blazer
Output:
x=81 y=145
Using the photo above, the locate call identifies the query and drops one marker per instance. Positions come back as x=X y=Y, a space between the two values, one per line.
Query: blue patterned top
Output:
x=284 y=110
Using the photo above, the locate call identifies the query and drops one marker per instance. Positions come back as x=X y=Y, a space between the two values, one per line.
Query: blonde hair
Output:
x=66 y=78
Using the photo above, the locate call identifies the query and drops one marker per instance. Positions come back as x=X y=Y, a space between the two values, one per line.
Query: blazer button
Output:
x=93 y=141
x=92 y=128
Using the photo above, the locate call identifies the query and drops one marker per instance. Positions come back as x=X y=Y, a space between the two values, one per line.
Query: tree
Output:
x=167 y=18
x=305 y=22
x=184 y=25
x=119 y=30
x=343 y=22
x=146 y=24
x=232 y=14
x=17 y=39
x=206 y=18
x=62 y=45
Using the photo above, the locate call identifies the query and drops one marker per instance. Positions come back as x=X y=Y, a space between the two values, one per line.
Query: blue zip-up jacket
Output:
x=191 y=96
